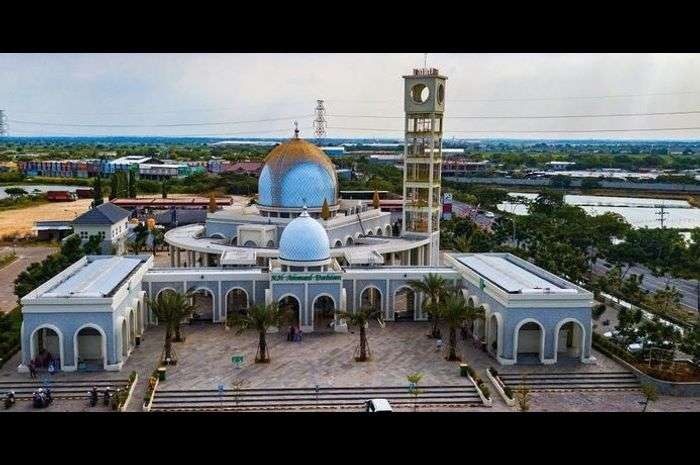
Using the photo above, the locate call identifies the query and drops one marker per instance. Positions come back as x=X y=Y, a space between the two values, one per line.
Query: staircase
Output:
x=286 y=399
x=61 y=389
x=572 y=381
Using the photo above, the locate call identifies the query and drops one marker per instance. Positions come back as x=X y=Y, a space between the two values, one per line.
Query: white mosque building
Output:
x=314 y=261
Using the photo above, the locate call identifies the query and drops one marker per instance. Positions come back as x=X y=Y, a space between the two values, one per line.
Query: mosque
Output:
x=302 y=246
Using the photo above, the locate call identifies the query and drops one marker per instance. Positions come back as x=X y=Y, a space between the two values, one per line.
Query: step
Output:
x=566 y=375
x=215 y=406
x=161 y=399
x=326 y=389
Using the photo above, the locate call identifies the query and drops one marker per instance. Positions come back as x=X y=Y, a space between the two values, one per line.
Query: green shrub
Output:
x=471 y=372
x=485 y=390
x=508 y=392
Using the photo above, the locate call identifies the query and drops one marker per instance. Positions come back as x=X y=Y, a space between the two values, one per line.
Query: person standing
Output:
x=32 y=369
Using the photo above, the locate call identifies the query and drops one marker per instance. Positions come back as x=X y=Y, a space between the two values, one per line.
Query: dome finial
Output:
x=296 y=129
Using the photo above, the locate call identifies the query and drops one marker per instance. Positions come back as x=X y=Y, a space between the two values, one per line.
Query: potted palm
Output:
x=170 y=308
x=260 y=318
x=361 y=319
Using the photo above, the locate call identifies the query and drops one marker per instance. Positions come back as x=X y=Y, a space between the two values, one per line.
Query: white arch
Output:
x=132 y=327
x=194 y=290
x=165 y=289
x=349 y=240
x=380 y=232
x=338 y=243
x=370 y=233
x=124 y=324
x=474 y=299
x=139 y=318
x=301 y=310
x=499 y=333
x=104 y=343
x=250 y=244
x=416 y=304
x=58 y=332
x=217 y=236
x=515 y=338
x=358 y=235
x=557 y=328
x=313 y=304
x=247 y=297
x=381 y=296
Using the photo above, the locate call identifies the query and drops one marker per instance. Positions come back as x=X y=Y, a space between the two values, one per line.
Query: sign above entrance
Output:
x=306 y=277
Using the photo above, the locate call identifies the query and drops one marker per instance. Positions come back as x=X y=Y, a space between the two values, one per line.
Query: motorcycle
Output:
x=93 y=396
x=9 y=399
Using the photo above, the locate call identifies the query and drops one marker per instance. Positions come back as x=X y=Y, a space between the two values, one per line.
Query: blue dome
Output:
x=295 y=174
x=304 y=240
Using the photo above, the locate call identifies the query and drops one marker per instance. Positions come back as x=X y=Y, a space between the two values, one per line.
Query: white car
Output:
x=378 y=406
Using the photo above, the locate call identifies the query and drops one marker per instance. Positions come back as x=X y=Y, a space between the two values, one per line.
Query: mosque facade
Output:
x=313 y=253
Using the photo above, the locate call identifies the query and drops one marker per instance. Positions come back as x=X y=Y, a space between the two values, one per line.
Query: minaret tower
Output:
x=424 y=105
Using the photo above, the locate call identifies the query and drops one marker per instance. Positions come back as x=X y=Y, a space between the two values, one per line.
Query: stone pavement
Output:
x=204 y=362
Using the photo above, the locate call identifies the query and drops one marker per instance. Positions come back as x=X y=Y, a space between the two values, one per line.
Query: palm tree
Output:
x=434 y=287
x=361 y=319
x=134 y=246
x=170 y=308
x=260 y=318
x=456 y=311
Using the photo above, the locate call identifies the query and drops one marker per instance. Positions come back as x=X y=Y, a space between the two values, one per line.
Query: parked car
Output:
x=378 y=406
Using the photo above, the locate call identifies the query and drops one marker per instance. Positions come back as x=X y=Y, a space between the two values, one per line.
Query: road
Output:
x=688 y=288
x=464 y=210
x=25 y=257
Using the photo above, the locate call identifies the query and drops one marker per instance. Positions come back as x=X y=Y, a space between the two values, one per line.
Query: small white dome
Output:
x=304 y=240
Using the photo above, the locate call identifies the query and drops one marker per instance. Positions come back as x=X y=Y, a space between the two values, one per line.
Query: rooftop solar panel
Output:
x=97 y=279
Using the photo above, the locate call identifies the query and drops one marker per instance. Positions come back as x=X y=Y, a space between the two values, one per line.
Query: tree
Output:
x=325 y=210
x=132 y=184
x=260 y=318
x=99 y=196
x=134 y=246
x=212 y=203
x=71 y=249
x=650 y=395
x=413 y=389
x=93 y=246
x=164 y=189
x=170 y=308
x=434 y=288
x=361 y=319
x=114 y=186
x=375 y=200
x=666 y=300
x=456 y=311
x=691 y=342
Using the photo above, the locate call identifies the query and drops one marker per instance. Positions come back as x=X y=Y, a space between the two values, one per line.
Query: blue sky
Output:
x=119 y=94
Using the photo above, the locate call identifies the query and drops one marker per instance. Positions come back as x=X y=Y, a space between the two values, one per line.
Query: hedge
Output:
x=10 y=326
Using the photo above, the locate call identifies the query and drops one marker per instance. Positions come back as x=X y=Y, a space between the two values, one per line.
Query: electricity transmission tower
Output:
x=320 y=121
x=3 y=124
x=661 y=213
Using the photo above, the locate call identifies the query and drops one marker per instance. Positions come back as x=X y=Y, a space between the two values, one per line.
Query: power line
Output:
x=492 y=131
x=599 y=115
x=208 y=134
x=92 y=125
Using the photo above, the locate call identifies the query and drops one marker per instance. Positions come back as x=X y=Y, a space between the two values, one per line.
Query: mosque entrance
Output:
x=290 y=305
x=46 y=348
x=203 y=300
x=324 y=314
x=404 y=304
x=89 y=354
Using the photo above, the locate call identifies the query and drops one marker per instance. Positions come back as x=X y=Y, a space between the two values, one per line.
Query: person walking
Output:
x=32 y=369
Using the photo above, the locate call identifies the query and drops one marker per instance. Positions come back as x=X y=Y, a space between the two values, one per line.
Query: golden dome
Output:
x=296 y=173
x=296 y=151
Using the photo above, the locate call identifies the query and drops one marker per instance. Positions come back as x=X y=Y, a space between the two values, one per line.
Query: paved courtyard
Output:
x=204 y=362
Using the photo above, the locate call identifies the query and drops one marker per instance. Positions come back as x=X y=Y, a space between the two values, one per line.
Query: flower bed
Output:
x=505 y=392
x=481 y=388
x=123 y=396
x=150 y=391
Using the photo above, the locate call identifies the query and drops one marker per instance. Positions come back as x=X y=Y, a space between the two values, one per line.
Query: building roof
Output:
x=98 y=278
x=107 y=213
x=511 y=276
